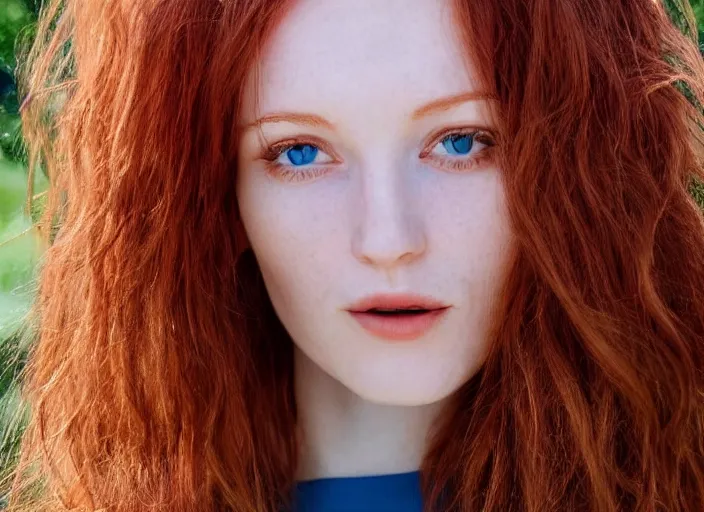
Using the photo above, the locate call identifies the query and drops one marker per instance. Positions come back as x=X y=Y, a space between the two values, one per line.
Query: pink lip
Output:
x=398 y=327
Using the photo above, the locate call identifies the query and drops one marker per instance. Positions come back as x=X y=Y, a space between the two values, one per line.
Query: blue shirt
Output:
x=385 y=493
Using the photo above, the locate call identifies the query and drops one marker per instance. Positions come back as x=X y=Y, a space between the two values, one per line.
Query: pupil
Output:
x=302 y=154
x=458 y=144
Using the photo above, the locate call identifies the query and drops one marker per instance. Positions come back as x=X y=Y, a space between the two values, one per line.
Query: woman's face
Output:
x=366 y=171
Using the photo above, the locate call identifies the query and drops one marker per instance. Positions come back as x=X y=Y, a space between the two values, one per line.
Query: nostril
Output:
x=385 y=239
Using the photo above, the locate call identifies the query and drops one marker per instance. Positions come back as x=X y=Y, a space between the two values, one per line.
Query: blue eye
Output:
x=461 y=149
x=301 y=154
x=458 y=144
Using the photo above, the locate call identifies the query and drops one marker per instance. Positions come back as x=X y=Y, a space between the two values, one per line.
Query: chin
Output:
x=382 y=393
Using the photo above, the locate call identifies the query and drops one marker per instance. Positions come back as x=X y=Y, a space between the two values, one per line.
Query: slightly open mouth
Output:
x=393 y=312
x=398 y=324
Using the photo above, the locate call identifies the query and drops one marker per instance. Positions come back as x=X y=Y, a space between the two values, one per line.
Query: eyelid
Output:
x=484 y=156
x=276 y=149
x=481 y=135
x=272 y=152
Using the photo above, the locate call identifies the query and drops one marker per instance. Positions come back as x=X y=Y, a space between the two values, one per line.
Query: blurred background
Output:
x=19 y=243
x=19 y=249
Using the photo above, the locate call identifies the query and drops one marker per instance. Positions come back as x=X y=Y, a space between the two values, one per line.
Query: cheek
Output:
x=297 y=236
x=472 y=245
x=468 y=225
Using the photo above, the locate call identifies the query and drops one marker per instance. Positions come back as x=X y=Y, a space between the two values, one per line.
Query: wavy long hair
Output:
x=160 y=378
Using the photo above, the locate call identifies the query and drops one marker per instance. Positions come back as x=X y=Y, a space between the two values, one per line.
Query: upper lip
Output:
x=396 y=301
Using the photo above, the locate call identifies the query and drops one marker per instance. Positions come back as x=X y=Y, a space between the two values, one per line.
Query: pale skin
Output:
x=372 y=91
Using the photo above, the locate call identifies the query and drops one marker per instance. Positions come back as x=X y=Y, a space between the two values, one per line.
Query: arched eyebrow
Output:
x=292 y=117
x=320 y=122
x=451 y=101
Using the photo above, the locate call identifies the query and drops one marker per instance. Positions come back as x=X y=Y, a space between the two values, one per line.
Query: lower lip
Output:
x=402 y=327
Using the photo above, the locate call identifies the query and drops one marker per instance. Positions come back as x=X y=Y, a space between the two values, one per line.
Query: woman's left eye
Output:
x=456 y=144
x=461 y=150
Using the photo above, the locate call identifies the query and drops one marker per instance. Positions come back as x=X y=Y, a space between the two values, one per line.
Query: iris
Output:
x=459 y=144
x=302 y=154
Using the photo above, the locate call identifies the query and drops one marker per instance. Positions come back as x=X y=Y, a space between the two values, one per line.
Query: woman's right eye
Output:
x=299 y=155
x=294 y=160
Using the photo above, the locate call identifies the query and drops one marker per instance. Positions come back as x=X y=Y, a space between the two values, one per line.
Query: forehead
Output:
x=362 y=52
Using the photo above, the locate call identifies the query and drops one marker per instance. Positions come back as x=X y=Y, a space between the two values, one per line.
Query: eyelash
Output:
x=287 y=172
x=484 y=155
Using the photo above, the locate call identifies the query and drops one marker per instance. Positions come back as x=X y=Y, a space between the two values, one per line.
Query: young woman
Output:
x=364 y=255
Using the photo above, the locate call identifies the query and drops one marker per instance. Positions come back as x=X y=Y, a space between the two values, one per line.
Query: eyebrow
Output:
x=451 y=101
x=293 y=117
x=320 y=122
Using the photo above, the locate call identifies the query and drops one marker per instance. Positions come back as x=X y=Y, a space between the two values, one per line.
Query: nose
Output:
x=389 y=229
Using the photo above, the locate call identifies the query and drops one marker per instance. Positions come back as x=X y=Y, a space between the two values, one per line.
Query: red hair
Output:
x=160 y=377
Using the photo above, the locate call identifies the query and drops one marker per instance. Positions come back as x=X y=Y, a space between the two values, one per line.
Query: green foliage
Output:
x=697 y=191
x=698 y=8
x=682 y=14
x=14 y=16
x=13 y=413
x=688 y=16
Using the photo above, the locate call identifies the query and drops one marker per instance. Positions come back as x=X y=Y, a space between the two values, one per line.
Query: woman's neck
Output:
x=341 y=434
